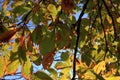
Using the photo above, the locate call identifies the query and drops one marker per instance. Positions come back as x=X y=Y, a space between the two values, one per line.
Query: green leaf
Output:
x=13 y=66
x=2 y=66
x=40 y=75
x=26 y=69
x=65 y=56
x=37 y=31
x=20 y=10
x=87 y=58
x=60 y=65
x=53 y=73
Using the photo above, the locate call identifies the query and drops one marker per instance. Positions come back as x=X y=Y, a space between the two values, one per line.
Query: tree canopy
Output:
x=47 y=33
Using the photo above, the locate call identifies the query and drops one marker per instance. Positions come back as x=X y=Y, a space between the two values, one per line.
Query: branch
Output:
x=78 y=23
x=105 y=38
x=109 y=13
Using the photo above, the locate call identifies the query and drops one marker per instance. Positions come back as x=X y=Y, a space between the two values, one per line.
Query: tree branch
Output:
x=105 y=38
x=78 y=23
x=109 y=13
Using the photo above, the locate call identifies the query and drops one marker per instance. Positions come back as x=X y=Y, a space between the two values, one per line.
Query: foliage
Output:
x=47 y=33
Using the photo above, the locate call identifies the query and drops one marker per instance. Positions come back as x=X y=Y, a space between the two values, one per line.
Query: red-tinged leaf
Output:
x=2 y=67
x=48 y=59
x=7 y=35
x=12 y=67
x=26 y=69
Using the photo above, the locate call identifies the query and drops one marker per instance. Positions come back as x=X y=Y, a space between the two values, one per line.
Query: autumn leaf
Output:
x=12 y=67
x=5 y=36
x=99 y=67
x=48 y=59
x=2 y=67
x=67 y=5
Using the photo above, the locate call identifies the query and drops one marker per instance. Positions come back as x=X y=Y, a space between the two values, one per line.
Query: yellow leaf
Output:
x=12 y=67
x=2 y=66
x=118 y=20
x=113 y=78
x=99 y=67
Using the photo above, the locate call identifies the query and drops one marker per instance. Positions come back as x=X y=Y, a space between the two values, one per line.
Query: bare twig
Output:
x=78 y=23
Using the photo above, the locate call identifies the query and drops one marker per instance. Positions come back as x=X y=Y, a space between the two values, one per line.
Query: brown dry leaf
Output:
x=5 y=36
x=67 y=5
x=48 y=59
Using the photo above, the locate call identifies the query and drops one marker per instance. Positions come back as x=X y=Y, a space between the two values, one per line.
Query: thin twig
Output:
x=113 y=22
x=105 y=38
x=78 y=36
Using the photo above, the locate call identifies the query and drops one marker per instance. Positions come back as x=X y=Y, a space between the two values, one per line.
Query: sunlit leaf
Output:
x=12 y=67
x=99 y=67
x=113 y=78
x=52 y=9
x=2 y=66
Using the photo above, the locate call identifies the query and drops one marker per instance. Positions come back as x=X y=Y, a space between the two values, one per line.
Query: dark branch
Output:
x=113 y=22
x=78 y=23
x=105 y=38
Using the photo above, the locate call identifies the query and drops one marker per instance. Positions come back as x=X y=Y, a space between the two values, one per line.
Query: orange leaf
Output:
x=5 y=36
x=48 y=59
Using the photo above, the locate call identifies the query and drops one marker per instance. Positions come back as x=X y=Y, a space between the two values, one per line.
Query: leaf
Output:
x=47 y=39
x=99 y=67
x=89 y=75
x=67 y=5
x=60 y=65
x=86 y=58
x=48 y=59
x=65 y=56
x=37 y=31
x=5 y=36
x=12 y=67
x=26 y=69
x=36 y=58
x=2 y=66
x=20 y=9
x=113 y=78
x=40 y=75
x=53 y=73
x=52 y=9
x=118 y=20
